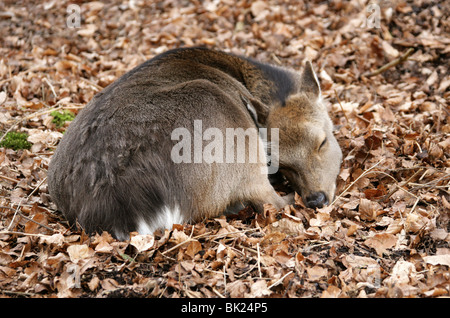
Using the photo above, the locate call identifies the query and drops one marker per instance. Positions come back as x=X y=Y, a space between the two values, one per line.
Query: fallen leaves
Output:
x=142 y=242
x=79 y=252
x=381 y=242
x=385 y=235
x=438 y=259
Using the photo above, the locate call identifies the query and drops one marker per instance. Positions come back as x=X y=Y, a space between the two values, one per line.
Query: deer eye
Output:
x=323 y=143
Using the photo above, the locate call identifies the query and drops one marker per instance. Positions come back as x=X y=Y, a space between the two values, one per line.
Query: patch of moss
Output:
x=15 y=140
x=59 y=118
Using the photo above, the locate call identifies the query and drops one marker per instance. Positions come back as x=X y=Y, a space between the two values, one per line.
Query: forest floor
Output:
x=386 y=234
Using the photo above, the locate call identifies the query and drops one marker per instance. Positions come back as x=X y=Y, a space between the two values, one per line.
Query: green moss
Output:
x=59 y=118
x=15 y=140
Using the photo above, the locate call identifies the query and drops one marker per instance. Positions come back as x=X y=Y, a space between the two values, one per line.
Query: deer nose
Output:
x=316 y=200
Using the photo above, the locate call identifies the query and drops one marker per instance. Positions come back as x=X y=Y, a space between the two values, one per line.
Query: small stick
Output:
x=39 y=113
x=51 y=86
x=390 y=64
x=401 y=185
x=9 y=129
x=280 y=280
x=414 y=206
x=95 y=86
x=9 y=179
x=20 y=203
x=342 y=108
x=217 y=293
x=345 y=115
x=243 y=274
x=23 y=233
x=216 y=236
x=36 y=68
x=362 y=174
x=184 y=242
x=30 y=219
x=259 y=261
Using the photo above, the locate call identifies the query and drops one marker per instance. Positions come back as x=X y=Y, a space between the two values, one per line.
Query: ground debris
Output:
x=386 y=234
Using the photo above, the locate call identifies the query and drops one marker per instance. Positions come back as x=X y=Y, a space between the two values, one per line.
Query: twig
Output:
x=25 y=234
x=184 y=242
x=8 y=178
x=243 y=274
x=308 y=248
x=51 y=86
x=280 y=280
x=225 y=275
x=163 y=291
x=259 y=260
x=20 y=203
x=342 y=108
x=36 y=68
x=356 y=180
x=401 y=185
x=30 y=219
x=414 y=206
x=217 y=293
x=431 y=184
x=216 y=236
x=9 y=129
x=95 y=86
x=39 y=113
x=27 y=218
x=17 y=293
x=390 y=64
x=15 y=123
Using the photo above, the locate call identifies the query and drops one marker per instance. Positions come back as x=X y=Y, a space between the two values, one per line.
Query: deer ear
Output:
x=310 y=83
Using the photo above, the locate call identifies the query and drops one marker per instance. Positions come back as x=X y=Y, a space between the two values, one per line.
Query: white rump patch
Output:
x=165 y=219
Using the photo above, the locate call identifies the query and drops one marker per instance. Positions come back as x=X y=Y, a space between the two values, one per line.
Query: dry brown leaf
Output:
x=79 y=252
x=352 y=229
x=237 y=289
x=321 y=219
x=414 y=222
x=88 y=30
x=94 y=283
x=109 y=284
x=3 y=97
x=273 y=238
x=55 y=239
x=34 y=226
x=47 y=138
x=286 y=226
x=331 y=292
x=403 y=273
x=438 y=260
x=104 y=247
x=359 y=261
x=178 y=236
x=399 y=115
x=258 y=289
x=193 y=248
x=316 y=273
x=259 y=10
x=143 y=242
x=369 y=210
x=381 y=242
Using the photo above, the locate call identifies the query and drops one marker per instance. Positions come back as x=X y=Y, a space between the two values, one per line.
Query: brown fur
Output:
x=113 y=169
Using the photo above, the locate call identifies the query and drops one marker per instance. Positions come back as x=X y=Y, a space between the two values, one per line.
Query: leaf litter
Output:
x=385 y=235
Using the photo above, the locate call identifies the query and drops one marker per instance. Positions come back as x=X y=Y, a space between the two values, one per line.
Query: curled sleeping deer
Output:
x=189 y=134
